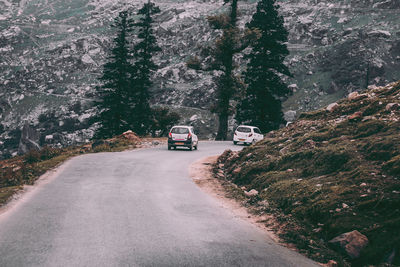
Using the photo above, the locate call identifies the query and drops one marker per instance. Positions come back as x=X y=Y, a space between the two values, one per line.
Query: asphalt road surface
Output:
x=134 y=208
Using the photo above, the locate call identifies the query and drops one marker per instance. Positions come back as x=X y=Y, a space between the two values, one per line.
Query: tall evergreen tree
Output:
x=116 y=82
x=261 y=105
x=141 y=114
x=227 y=82
x=231 y=42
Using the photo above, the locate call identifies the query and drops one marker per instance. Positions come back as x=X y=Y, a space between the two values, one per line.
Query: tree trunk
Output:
x=222 y=127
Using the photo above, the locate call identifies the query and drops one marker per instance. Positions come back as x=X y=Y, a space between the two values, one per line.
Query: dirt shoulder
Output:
x=230 y=197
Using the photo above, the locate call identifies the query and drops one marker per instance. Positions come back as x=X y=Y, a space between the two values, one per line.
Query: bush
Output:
x=163 y=120
x=49 y=152
x=32 y=156
x=393 y=166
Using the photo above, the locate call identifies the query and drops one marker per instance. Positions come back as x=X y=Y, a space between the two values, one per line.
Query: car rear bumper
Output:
x=244 y=140
x=186 y=143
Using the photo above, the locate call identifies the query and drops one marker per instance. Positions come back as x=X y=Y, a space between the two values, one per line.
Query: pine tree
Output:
x=227 y=82
x=141 y=115
x=116 y=82
x=261 y=105
x=231 y=42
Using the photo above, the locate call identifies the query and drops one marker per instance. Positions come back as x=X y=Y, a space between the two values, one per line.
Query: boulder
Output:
x=29 y=139
x=352 y=243
x=131 y=136
x=392 y=106
x=355 y=116
x=332 y=107
x=332 y=263
x=290 y=115
x=251 y=193
x=237 y=170
x=353 y=95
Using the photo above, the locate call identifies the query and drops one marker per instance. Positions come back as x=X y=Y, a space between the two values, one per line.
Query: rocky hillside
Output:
x=52 y=52
x=331 y=178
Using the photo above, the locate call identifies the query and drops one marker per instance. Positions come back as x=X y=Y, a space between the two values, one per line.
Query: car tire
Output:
x=253 y=142
x=169 y=147
x=196 y=146
x=235 y=142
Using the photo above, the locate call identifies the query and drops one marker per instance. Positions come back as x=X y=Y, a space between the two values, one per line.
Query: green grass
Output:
x=323 y=177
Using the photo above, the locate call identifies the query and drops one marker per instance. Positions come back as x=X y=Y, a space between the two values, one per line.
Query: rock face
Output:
x=52 y=55
x=352 y=243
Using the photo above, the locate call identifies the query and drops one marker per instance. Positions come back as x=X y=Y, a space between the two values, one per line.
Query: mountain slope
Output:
x=52 y=52
x=335 y=170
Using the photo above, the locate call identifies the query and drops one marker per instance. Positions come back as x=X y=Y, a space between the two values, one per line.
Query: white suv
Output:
x=247 y=134
x=183 y=136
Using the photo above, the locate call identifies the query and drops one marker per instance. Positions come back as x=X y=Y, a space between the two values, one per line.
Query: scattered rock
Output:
x=237 y=170
x=284 y=150
x=356 y=96
x=16 y=169
x=392 y=106
x=355 y=116
x=353 y=95
x=131 y=136
x=309 y=144
x=332 y=107
x=352 y=243
x=332 y=263
x=317 y=230
x=251 y=193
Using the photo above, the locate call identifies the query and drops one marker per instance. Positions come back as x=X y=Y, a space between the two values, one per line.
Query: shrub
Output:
x=32 y=156
x=49 y=152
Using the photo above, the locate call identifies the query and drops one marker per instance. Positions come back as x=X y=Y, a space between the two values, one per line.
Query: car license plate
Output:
x=178 y=143
x=241 y=139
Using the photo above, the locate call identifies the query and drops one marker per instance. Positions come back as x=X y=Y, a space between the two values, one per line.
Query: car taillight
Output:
x=189 y=135
x=235 y=133
x=250 y=135
x=170 y=135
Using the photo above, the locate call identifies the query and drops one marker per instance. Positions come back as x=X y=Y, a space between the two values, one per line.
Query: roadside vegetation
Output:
x=26 y=169
x=333 y=171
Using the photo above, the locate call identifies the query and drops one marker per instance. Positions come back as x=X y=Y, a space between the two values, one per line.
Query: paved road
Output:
x=134 y=208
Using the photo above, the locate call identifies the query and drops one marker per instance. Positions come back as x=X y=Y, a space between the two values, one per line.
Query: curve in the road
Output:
x=133 y=208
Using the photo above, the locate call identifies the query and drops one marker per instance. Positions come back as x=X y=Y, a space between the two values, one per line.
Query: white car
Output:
x=247 y=135
x=182 y=136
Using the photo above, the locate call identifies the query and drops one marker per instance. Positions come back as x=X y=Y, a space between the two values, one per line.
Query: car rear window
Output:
x=180 y=130
x=243 y=129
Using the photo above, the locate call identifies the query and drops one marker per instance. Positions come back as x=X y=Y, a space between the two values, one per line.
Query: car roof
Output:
x=183 y=126
x=248 y=126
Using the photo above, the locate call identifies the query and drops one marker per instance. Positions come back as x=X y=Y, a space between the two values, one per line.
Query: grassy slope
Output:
x=329 y=173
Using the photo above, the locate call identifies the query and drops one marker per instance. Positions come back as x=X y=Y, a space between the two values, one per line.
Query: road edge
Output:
x=201 y=173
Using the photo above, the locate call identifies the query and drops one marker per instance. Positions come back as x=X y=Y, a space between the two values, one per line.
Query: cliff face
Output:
x=52 y=52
